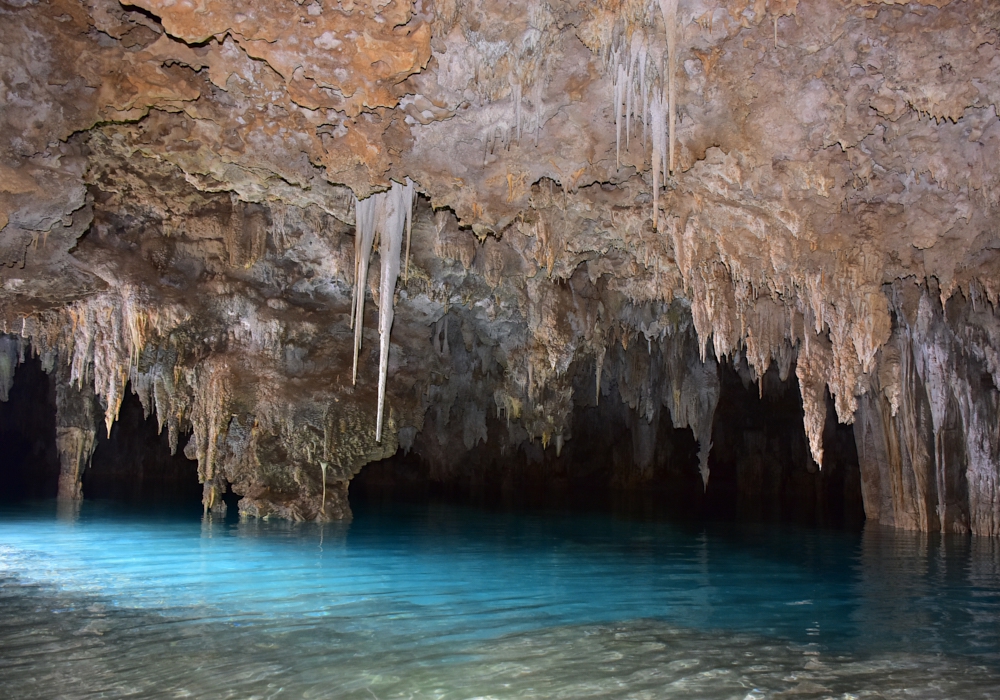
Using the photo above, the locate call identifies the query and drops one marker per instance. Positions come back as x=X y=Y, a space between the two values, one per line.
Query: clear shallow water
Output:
x=446 y=602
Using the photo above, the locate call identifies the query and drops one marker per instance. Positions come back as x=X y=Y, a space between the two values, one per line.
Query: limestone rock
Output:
x=753 y=183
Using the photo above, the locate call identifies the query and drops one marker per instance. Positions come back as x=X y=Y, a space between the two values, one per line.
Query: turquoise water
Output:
x=447 y=602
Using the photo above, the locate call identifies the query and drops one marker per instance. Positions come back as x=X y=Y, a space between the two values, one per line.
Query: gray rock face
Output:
x=809 y=187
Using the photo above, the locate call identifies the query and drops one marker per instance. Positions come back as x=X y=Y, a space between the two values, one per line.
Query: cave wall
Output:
x=928 y=433
x=211 y=205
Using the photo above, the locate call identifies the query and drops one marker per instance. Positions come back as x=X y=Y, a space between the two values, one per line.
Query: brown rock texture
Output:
x=806 y=188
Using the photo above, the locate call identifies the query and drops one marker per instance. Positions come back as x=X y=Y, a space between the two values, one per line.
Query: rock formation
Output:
x=610 y=200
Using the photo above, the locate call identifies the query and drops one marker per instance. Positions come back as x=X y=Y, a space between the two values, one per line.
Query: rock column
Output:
x=75 y=432
x=928 y=432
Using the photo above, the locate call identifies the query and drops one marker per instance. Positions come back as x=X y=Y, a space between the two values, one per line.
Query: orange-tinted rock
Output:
x=204 y=156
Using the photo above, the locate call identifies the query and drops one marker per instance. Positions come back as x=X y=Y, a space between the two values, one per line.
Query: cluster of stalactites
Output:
x=100 y=341
x=645 y=90
x=670 y=372
x=504 y=123
x=101 y=338
x=387 y=214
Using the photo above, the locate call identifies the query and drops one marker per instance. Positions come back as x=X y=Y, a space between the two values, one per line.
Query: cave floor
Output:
x=448 y=601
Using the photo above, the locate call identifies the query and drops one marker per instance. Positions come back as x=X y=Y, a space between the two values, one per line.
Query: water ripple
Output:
x=453 y=603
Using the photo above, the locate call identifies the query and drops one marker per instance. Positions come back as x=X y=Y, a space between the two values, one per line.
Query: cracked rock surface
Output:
x=615 y=199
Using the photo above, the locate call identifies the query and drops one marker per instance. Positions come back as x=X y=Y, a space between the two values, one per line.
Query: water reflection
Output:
x=68 y=511
x=937 y=591
x=448 y=602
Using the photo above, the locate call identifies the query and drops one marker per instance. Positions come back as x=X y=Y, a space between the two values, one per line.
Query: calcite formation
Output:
x=591 y=202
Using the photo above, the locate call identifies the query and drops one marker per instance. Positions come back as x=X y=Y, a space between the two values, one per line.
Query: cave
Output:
x=621 y=462
x=423 y=348
x=29 y=460
x=134 y=463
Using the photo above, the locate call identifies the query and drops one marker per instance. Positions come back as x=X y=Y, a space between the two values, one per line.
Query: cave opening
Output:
x=761 y=467
x=617 y=460
x=29 y=460
x=133 y=463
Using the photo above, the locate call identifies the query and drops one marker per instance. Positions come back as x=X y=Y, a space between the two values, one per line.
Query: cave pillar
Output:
x=894 y=433
x=76 y=432
x=928 y=430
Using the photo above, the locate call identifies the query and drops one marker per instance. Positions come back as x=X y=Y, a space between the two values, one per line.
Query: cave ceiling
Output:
x=751 y=181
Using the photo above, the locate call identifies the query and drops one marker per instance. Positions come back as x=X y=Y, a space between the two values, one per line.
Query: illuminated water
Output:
x=443 y=602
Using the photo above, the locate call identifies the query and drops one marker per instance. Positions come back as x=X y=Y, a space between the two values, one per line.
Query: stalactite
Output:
x=388 y=214
x=210 y=418
x=516 y=96
x=364 y=237
x=409 y=228
x=322 y=503
x=279 y=231
x=599 y=368
x=669 y=10
x=401 y=203
x=814 y=361
x=691 y=392
x=658 y=118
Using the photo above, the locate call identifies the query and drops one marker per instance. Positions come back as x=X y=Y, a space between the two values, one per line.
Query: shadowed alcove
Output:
x=134 y=463
x=29 y=461
x=761 y=469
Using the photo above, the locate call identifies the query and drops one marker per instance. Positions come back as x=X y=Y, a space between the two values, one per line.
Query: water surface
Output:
x=448 y=602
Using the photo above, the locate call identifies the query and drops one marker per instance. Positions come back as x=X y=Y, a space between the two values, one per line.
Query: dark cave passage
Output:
x=761 y=467
x=29 y=461
x=134 y=463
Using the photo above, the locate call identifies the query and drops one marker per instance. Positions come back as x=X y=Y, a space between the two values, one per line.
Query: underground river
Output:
x=435 y=600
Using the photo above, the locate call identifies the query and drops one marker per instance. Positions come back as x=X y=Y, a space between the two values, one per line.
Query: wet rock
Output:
x=763 y=184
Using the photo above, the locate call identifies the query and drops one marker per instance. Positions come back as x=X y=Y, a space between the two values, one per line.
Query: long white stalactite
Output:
x=364 y=236
x=630 y=63
x=388 y=214
x=669 y=10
